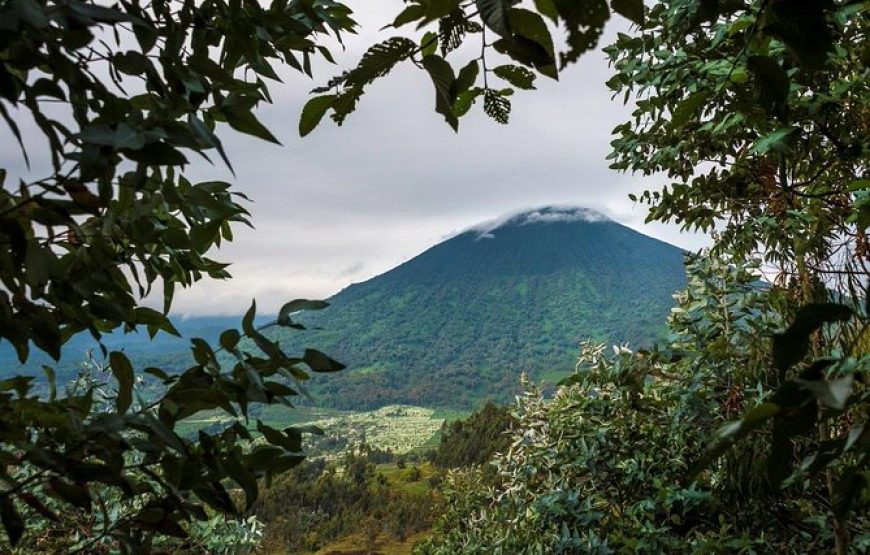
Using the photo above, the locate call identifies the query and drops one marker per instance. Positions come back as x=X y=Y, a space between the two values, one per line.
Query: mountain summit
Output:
x=545 y=215
x=462 y=320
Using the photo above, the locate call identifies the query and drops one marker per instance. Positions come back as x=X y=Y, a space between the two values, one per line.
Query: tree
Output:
x=141 y=86
x=123 y=94
x=757 y=114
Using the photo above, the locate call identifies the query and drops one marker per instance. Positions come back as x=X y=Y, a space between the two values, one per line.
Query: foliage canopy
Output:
x=123 y=94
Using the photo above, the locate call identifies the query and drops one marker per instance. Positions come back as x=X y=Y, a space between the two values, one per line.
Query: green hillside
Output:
x=461 y=321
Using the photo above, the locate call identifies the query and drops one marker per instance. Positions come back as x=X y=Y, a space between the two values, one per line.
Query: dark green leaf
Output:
x=517 y=76
x=229 y=339
x=442 y=78
x=313 y=112
x=688 y=108
x=791 y=347
x=409 y=14
x=284 y=315
x=244 y=121
x=123 y=372
x=52 y=382
x=771 y=82
x=804 y=28
x=631 y=9
x=494 y=15
x=319 y=362
x=496 y=106
x=12 y=521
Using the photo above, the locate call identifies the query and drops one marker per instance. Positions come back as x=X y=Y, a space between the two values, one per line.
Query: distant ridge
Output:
x=458 y=323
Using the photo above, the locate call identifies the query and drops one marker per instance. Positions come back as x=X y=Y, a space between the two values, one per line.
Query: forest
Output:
x=743 y=429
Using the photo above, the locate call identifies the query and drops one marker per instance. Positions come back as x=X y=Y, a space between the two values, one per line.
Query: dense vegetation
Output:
x=319 y=502
x=474 y=440
x=459 y=323
x=122 y=94
x=748 y=431
x=605 y=465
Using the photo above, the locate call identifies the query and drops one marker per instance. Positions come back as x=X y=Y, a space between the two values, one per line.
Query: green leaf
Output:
x=123 y=372
x=496 y=106
x=517 y=76
x=74 y=494
x=779 y=141
x=465 y=100
x=830 y=393
x=284 y=315
x=771 y=83
x=465 y=80
x=157 y=154
x=313 y=112
x=436 y=9
x=319 y=362
x=229 y=339
x=12 y=521
x=244 y=121
x=531 y=26
x=240 y=474
x=494 y=15
x=548 y=9
x=804 y=28
x=31 y=12
x=409 y=14
x=791 y=346
x=52 y=382
x=248 y=319
x=428 y=44
x=631 y=9
x=380 y=59
x=442 y=78
x=131 y=63
x=208 y=138
x=155 y=320
x=687 y=109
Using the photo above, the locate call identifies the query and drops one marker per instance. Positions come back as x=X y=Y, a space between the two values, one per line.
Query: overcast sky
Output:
x=345 y=204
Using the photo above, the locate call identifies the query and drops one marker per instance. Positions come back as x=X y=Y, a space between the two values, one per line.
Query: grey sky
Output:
x=345 y=204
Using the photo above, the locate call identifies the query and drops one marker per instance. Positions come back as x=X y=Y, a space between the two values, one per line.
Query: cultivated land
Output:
x=397 y=428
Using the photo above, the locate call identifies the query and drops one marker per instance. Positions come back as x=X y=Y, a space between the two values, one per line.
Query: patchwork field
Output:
x=397 y=428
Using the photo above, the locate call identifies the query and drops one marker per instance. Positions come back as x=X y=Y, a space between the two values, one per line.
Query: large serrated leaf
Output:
x=380 y=59
x=496 y=106
x=517 y=76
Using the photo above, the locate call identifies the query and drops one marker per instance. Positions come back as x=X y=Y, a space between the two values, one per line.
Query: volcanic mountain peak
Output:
x=543 y=215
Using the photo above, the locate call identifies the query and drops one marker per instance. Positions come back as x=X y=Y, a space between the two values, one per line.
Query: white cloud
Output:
x=345 y=204
x=543 y=215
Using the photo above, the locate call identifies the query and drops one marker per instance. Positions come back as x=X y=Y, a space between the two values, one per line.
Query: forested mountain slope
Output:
x=462 y=320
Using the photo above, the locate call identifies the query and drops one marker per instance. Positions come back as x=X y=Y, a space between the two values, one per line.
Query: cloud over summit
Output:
x=543 y=215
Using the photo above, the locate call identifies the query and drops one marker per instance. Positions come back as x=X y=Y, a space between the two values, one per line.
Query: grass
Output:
x=398 y=478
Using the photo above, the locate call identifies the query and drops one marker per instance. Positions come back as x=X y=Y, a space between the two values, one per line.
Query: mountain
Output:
x=164 y=351
x=460 y=322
